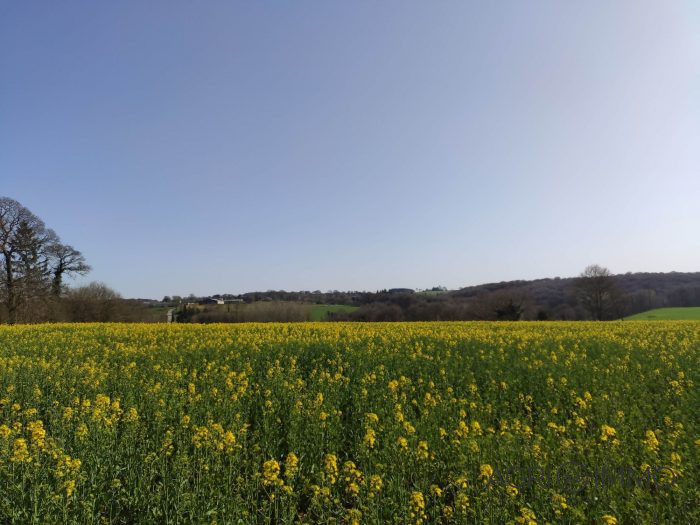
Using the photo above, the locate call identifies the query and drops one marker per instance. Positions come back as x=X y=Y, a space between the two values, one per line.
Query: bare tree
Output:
x=93 y=302
x=65 y=260
x=596 y=290
x=21 y=233
x=33 y=260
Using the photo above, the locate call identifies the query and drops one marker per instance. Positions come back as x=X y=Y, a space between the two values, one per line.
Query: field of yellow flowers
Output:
x=347 y=422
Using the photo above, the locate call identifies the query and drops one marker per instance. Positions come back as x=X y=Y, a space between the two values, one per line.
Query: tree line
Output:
x=595 y=294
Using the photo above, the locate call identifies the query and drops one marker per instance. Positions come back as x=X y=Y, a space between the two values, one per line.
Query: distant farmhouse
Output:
x=217 y=300
x=203 y=301
x=210 y=300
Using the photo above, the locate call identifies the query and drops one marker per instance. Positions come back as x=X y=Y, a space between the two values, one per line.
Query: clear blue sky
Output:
x=225 y=146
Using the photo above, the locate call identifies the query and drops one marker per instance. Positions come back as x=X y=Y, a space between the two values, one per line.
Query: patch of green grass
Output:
x=319 y=312
x=159 y=309
x=663 y=314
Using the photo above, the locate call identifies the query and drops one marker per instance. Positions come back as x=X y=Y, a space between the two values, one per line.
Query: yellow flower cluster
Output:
x=270 y=473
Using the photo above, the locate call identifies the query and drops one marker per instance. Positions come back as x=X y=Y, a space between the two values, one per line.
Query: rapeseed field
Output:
x=350 y=423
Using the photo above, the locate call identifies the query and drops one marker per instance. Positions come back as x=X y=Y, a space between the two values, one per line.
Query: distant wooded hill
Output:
x=556 y=298
x=544 y=299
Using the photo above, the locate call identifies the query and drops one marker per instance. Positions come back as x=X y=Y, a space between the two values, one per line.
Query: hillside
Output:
x=665 y=314
x=638 y=292
x=543 y=299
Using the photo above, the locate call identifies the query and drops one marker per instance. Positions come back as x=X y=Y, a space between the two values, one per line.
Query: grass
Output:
x=433 y=293
x=319 y=312
x=667 y=314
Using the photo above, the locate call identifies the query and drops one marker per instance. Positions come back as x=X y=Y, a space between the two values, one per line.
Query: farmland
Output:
x=346 y=423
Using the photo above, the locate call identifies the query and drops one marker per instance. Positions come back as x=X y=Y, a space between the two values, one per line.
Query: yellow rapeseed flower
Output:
x=20 y=451
x=270 y=472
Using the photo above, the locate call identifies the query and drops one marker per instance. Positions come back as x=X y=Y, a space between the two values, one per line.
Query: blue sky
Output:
x=204 y=147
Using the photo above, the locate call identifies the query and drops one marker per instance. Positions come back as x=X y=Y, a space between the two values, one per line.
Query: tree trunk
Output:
x=56 y=282
x=11 y=299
